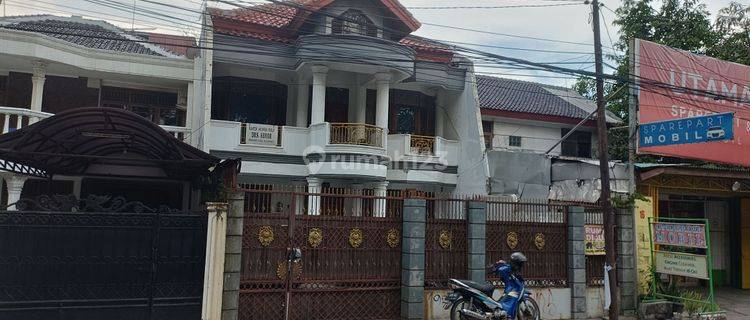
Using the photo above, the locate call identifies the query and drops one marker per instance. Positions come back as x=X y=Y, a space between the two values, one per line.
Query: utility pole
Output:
x=606 y=196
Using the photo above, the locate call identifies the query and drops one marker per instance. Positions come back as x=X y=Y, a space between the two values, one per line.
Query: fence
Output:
x=445 y=241
x=537 y=230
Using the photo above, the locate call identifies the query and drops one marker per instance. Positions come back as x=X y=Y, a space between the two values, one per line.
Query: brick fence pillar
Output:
x=412 y=259
x=477 y=219
x=577 y=262
x=233 y=257
x=626 y=272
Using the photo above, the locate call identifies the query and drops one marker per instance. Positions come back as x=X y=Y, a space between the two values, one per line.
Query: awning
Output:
x=100 y=141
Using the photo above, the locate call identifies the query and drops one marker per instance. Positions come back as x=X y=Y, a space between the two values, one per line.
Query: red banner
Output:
x=677 y=68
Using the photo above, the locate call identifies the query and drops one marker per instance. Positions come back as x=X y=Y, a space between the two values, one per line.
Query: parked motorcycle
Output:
x=472 y=300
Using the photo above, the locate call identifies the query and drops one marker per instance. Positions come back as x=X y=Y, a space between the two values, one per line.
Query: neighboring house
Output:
x=339 y=96
x=51 y=64
x=521 y=122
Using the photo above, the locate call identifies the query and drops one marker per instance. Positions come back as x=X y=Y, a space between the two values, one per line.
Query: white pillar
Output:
x=380 y=202
x=319 y=94
x=213 y=273
x=189 y=112
x=357 y=200
x=37 y=84
x=381 y=112
x=313 y=197
x=15 y=186
x=439 y=113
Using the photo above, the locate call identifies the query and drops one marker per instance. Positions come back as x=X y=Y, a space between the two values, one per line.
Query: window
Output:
x=487 y=131
x=158 y=107
x=577 y=144
x=514 y=141
x=411 y=112
x=405 y=121
x=354 y=22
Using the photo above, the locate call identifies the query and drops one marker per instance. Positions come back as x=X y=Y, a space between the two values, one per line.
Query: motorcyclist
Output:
x=510 y=274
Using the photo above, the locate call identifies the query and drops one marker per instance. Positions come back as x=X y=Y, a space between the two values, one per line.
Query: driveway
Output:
x=735 y=301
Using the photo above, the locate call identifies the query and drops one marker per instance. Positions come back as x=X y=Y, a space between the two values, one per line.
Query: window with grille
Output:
x=514 y=141
x=578 y=144
x=354 y=22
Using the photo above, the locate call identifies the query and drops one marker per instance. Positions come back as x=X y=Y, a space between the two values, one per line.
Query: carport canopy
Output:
x=100 y=142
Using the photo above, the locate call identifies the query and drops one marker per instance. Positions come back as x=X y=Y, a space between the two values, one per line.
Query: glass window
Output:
x=577 y=144
x=514 y=141
x=405 y=120
x=354 y=22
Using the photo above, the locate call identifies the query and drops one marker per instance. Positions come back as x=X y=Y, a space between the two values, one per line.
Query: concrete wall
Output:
x=463 y=110
x=554 y=302
x=595 y=302
x=536 y=136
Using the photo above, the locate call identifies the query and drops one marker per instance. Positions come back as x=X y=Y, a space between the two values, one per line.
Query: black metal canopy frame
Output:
x=88 y=141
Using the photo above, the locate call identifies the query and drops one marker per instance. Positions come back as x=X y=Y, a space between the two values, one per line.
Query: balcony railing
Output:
x=17 y=118
x=356 y=134
x=422 y=145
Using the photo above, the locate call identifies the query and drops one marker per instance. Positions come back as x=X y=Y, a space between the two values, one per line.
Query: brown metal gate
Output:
x=351 y=258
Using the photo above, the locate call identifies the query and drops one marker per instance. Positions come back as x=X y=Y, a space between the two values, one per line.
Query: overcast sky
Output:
x=564 y=23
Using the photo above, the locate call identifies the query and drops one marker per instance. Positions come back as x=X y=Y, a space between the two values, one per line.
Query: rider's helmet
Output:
x=517 y=260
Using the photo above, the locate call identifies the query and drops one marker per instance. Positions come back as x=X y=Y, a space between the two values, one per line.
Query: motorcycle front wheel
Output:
x=459 y=304
x=528 y=309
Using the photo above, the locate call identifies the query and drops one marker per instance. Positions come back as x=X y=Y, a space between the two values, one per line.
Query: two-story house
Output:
x=51 y=64
x=337 y=95
x=523 y=123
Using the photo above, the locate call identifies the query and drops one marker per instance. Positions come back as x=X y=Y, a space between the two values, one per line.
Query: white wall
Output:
x=536 y=136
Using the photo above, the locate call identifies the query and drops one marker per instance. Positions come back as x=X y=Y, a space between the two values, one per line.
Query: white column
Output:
x=189 y=112
x=313 y=197
x=213 y=273
x=357 y=200
x=381 y=113
x=439 y=113
x=37 y=84
x=380 y=202
x=15 y=186
x=303 y=98
x=319 y=94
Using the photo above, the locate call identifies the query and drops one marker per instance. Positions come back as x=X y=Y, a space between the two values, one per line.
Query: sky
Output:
x=570 y=23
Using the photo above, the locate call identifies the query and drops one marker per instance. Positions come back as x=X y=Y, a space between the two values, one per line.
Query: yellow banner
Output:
x=643 y=211
x=594 y=240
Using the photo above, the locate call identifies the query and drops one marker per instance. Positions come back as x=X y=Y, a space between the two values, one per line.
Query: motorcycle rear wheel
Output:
x=528 y=310
x=459 y=304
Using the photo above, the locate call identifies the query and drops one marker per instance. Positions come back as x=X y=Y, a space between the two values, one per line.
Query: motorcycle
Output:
x=472 y=300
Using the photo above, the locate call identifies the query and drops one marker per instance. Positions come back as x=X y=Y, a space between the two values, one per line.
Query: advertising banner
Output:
x=690 y=235
x=713 y=127
x=685 y=78
x=643 y=211
x=681 y=264
x=594 y=240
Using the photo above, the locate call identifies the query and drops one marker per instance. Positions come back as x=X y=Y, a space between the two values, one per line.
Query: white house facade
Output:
x=338 y=96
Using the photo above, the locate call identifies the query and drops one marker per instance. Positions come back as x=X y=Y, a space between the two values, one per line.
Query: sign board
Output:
x=262 y=134
x=594 y=240
x=685 y=76
x=644 y=210
x=681 y=264
x=690 y=235
x=715 y=127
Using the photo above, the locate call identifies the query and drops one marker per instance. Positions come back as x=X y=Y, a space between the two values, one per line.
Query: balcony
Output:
x=356 y=134
x=17 y=118
x=425 y=149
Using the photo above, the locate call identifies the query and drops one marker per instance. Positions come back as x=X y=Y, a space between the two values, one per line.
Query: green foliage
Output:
x=692 y=301
x=624 y=202
x=682 y=24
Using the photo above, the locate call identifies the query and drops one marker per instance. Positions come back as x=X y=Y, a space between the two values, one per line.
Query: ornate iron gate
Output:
x=100 y=258
x=351 y=260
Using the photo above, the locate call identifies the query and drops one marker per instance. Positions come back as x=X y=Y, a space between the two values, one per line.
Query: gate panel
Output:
x=351 y=260
x=113 y=265
x=539 y=231
x=445 y=242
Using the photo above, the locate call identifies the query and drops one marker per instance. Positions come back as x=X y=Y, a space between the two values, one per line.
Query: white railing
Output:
x=181 y=133
x=17 y=118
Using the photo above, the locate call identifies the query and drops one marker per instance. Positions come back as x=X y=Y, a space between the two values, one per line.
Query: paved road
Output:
x=736 y=302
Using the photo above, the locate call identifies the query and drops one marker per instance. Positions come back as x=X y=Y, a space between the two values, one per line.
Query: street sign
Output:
x=681 y=264
x=714 y=127
x=692 y=235
x=594 y=240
